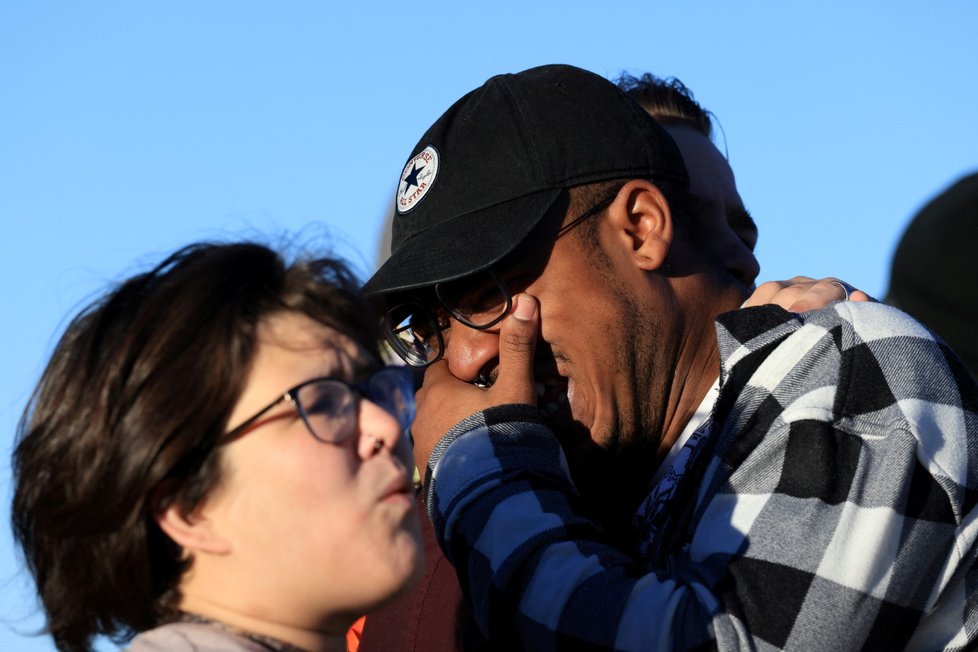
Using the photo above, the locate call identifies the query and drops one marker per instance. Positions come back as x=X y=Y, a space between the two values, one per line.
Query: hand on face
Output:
x=801 y=294
x=444 y=400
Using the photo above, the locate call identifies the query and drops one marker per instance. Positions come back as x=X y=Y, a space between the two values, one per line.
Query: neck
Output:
x=613 y=486
x=698 y=362
x=278 y=635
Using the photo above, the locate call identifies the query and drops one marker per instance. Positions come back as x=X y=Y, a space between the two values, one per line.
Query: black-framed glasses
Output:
x=591 y=212
x=328 y=406
x=413 y=329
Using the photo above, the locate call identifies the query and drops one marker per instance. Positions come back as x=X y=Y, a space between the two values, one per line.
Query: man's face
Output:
x=722 y=219
x=601 y=356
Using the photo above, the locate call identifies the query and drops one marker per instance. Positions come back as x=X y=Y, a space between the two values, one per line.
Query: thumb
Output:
x=517 y=342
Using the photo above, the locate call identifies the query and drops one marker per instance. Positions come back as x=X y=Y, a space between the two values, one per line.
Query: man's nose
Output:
x=470 y=351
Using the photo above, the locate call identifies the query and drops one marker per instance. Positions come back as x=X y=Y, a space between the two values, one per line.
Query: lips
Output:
x=398 y=485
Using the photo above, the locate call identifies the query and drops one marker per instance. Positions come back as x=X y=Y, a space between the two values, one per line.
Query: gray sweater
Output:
x=192 y=637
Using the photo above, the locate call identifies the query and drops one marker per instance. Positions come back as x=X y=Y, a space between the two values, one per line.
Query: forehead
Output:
x=709 y=171
x=294 y=336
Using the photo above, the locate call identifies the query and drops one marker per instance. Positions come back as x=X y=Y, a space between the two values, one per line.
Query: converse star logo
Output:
x=417 y=178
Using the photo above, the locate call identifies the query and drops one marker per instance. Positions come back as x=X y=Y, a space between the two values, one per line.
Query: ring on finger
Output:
x=848 y=289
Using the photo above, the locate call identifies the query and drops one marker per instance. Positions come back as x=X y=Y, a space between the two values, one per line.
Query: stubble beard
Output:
x=616 y=476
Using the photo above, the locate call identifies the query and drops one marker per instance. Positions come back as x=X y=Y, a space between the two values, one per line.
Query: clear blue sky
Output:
x=130 y=128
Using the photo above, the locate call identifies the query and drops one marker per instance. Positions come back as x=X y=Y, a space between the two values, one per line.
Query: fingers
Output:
x=517 y=343
x=444 y=399
x=765 y=293
x=781 y=293
x=818 y=294
x=801 y=293
x=436 y=401
x=859 y=295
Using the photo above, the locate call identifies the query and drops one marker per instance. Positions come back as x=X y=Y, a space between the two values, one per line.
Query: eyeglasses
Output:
x=594 y=210
x=328 y=406
x=479 y=301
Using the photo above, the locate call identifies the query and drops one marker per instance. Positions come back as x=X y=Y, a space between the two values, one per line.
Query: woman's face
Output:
x=323 y=530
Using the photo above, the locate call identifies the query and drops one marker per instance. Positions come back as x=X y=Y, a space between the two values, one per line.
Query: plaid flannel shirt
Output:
x=834 y=507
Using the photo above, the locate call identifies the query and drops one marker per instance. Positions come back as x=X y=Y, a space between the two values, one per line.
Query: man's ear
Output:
x=194 y=532
x=642 y=217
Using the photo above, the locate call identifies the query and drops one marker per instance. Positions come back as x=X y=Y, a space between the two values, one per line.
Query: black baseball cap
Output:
x=491 y=167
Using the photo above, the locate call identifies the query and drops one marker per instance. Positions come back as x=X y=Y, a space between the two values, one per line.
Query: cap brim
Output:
x=461 y=246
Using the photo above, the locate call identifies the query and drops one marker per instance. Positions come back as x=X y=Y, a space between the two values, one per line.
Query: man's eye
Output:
x=485 y=299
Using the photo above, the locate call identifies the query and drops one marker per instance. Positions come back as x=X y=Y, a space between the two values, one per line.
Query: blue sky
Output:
x=128 y=129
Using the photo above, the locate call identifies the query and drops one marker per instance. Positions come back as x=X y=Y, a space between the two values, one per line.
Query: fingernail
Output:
x=526 y=307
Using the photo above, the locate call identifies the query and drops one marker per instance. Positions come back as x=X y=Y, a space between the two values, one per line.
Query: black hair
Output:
x=668 y=100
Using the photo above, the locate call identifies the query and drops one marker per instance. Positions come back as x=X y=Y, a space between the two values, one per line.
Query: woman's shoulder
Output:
x=191 y=637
